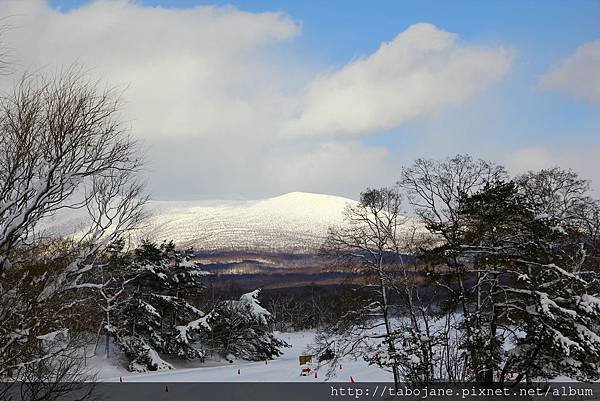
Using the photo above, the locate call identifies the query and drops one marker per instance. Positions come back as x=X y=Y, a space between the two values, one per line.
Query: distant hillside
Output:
x=295 y=222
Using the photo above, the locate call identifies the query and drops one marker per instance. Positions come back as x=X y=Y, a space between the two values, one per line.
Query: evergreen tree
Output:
x=529 y=306
x=159 y=284
x=148 y=300
x=242 y=329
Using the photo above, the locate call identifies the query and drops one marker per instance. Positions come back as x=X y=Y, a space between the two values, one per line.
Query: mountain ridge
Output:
x=294 y=222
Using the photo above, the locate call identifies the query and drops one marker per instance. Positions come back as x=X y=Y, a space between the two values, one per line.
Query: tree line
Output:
x=507 y=288
x=510 y=265
x=63 y=148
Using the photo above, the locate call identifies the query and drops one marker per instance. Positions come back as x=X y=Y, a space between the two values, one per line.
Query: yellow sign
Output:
x=304 y=359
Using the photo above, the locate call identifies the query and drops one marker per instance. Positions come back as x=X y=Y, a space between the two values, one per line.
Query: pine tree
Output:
x=148 y=304
x=157 y=284
x=529 y=306
x=242 y=329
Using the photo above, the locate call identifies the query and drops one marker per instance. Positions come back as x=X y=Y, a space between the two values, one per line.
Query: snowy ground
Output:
x=283 y=369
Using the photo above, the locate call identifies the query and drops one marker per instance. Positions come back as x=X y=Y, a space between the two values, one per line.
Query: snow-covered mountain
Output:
x=291 y=223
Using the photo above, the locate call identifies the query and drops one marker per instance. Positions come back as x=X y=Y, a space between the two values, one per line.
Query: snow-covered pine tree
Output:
x=157 y=315
x=520 y=263
x=563 y=278
x=241 y=328
x=533 y=309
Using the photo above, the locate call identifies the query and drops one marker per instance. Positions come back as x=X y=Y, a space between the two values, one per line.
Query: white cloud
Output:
x=332 y=167
x=196 y=72
x=578 y=74
x=419 y=72
x=530 y=159
x=219 y=96
x=351 y=165
x=581 y=158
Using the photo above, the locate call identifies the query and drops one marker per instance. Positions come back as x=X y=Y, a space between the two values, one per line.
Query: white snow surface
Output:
x=251 y=300
x=296 y=221
x=286 y=368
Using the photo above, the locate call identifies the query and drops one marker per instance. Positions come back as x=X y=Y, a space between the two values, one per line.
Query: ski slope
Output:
x=286 y=368
x=294 y=222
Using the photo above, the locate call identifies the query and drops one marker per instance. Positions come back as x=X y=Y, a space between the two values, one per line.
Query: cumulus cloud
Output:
x=351 y=163
x=530 y=159
x=577 y=74
x=184 y=70
x=422 y=70
x=223 y=108
x=583 y=160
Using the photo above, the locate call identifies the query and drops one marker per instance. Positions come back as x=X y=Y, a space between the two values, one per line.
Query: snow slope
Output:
x=286 y=368
x=294 y=222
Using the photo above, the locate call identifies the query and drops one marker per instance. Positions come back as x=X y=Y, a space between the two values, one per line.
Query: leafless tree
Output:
x=561 y=194
x=434 y=189
x=62 y=147
x=370 y=238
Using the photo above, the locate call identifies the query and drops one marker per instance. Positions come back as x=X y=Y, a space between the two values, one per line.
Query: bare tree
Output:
x=370 y=238
x=435 y=189
x=62 y=147
x=563 y=195
x=60 y=135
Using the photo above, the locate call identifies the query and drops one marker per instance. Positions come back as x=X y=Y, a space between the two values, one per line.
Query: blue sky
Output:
x=512 y=119
x=339 y=30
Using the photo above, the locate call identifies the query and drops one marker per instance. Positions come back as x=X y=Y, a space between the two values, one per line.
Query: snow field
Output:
x=286 y=368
